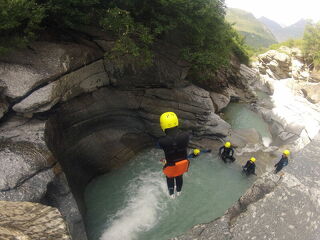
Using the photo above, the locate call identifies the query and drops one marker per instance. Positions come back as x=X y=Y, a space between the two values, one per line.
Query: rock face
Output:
x=293 y=98
x=23 y=70
x=86 y=79
x=28 y=169
x=25 y=220
x=282 y=64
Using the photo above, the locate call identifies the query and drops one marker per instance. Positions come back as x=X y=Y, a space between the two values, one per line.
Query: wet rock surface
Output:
x=25 y=69
x=27 y=221
x=283 y=206
x=28 y=169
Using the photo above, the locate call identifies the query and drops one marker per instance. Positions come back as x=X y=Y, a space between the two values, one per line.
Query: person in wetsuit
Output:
x=174 y=145
x=226 y=152
x=197 y=152
x=283 y=161
x=250 y=167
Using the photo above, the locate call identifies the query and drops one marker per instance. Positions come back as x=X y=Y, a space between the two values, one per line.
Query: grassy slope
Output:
x=257 y=35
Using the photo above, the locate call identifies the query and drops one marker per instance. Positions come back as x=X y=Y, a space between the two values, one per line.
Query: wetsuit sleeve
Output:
x=220 y=150
x=232 y=152
x=205 y=151
x=190 y=156
x=254 y=169
x=247 y=165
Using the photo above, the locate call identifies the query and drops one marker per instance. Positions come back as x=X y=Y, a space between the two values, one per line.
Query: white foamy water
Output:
x=141 y=211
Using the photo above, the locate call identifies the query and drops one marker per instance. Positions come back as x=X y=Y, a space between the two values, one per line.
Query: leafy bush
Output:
x=20 y=20
x=311 y=43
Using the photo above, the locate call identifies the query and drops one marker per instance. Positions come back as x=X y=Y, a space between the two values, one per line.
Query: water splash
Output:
x=141 y=211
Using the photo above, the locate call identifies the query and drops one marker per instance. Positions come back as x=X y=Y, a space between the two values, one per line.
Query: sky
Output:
x=285 y=12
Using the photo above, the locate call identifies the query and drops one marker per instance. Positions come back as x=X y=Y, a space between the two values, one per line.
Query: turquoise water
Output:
x=239 y=116
x=132 y=203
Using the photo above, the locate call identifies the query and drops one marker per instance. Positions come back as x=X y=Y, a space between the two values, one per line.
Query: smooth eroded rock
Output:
x=24 y=69
x=31 y=221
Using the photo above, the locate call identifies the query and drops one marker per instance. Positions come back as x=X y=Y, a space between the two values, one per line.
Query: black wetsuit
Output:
x=282 y=163
x=249 y=168
x=174 y=145
x=226 y=153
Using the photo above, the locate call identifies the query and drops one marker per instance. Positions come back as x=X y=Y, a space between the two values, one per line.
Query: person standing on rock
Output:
x=283 y=161
x=250 y=167
x=226 y=152
x=174 y=145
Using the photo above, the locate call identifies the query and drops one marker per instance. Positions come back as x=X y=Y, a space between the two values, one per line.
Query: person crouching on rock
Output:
x=197 y=152
x=226 y=152
x=174 y=145
x=250 y=167
x=283 y=161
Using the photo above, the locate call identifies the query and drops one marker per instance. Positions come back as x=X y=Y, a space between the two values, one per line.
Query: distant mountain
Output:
x=282 y=34
x=256 y=34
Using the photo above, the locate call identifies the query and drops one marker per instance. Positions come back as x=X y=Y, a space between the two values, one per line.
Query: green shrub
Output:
x=20 y=20
x=311 y=43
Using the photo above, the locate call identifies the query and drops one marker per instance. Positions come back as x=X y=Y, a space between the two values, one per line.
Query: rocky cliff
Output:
x=69 y=115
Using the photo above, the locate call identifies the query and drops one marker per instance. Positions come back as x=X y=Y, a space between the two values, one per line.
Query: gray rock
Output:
x=311 y=91
x=25 y=69
x=220 y=101
x=86 y=79
x=3 y=107
x=26 y=163
x=59 y=196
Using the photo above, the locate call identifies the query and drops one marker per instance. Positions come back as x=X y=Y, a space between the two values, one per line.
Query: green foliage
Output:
x=69 y=13
x=20 y=20
x=289 y=43
x=132 y=39
x=196 y=27
x=311 y=43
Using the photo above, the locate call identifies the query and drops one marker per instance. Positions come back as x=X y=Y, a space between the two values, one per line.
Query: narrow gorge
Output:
x=69 y=116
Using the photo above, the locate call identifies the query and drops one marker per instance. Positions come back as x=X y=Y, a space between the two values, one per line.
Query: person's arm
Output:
x=232 y=152
x=205 y=151
x=254 y=169
x=190 y=156
x=246 y=165
x=220 y=150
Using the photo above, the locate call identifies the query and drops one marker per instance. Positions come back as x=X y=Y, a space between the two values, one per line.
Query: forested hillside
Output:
x=256 y=34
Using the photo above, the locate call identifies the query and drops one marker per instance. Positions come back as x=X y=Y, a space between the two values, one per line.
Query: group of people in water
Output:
x=176 y=162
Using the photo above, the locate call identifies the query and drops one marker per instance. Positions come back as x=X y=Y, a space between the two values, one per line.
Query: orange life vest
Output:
x=178 y=169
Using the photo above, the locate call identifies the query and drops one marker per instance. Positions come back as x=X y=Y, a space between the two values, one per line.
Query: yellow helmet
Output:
x=252 y=159
x=227 y=144
x=286 y=152
x=168 y=120
x=196 y=151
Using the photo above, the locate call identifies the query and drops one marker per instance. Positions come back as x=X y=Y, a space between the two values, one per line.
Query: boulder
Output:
x=26 y=163
x=27 y=221
x=25 y=69
x=86 y=79
x=311 y=91
x=220 y=101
